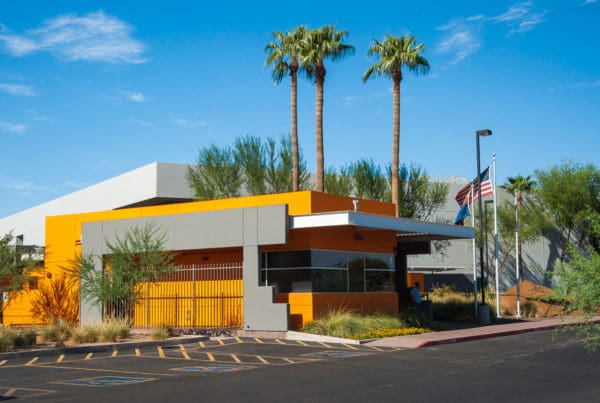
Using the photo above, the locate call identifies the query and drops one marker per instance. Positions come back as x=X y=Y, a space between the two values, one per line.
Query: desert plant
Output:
x=161 y=333
x=58 y=333
x=57 y=300
x=529 y=309
x=114 y=330
x=453 y=308
x=86 y=334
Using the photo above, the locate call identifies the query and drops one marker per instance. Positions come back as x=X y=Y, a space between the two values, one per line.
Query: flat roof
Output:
x=407 y=229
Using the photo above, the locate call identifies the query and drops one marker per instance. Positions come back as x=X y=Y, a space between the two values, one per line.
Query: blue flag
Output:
x=462 y=214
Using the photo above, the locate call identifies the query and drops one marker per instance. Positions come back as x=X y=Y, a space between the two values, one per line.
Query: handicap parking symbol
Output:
x=335 y=354
x=105 y=381
x=213 y=368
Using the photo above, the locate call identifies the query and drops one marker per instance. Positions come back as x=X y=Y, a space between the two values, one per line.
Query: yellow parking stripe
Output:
x=325 y=344
x=351 y=347
x=161 y=353
x=301 y=342
x=31 y=362
x=138 y=353
x=210 y=356
x=114 y=353
x=258 y=340
x=89 y=356
x=9 y=392
x=60 y=358
x=235 y=358
x=375 y=348
x=221 y=342
x=238 y=340
x=201 y=344
x=183 y=352
x=279 y=341
x=288 y=360
x=262 y=359
x=3 y=362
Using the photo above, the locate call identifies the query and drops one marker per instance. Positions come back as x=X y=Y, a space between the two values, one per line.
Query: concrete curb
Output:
x=460 y=339
x=98 y=348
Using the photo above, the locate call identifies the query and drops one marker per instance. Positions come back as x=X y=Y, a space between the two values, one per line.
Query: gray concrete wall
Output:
x=247 y=227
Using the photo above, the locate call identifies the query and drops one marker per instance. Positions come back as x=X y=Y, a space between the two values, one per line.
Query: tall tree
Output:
x=368 y=179
x=282 y=54
x=393 y=54
x=317 y=45
x=339 y=184
x=216 y=175
x=570 y=192
x=14 y=271
x=517 y=185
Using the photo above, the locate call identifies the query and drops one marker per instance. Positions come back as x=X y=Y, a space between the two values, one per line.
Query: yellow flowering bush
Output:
x=376 y=334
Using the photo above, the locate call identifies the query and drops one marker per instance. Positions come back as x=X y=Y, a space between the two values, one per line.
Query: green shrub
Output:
x=86 y=334
x=341 y=323
x=443 y=291
x=58 y=333
x=414 y=317
x=25 y=338
x=454 y=309
x=114 y=330
x=162 y=333
x=7 y=339
x=529 y=310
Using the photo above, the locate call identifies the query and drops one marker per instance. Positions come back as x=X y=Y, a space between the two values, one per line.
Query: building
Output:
x=271 y=262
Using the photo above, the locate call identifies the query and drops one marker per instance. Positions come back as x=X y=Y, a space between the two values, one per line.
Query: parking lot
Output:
x=63 y=377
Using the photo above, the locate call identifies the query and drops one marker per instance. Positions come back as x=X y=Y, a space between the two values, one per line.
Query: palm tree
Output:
x=517 y=185
x=282 y=54
x=318 y=45
x=393 y=54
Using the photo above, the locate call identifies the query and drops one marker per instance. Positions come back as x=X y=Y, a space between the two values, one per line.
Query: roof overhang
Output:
x=406 y=229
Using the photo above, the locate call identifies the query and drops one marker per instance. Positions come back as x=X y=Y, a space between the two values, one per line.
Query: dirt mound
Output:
x=529 y=308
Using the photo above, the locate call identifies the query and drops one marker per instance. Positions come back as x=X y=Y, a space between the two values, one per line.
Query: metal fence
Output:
x=198 y=296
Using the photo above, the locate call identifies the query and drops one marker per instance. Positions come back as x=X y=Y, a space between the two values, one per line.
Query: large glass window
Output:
x=327 y=271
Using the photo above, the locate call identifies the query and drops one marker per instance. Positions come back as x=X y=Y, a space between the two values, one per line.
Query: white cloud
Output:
x=587 y=2
x=576 y=86
x=521 y=17
x=135 y=97
x=460 y=43
x=349 y=99
x=12 y=127
x=17 y=89
x=18 y=185
x=190 y=124
x=95 y=37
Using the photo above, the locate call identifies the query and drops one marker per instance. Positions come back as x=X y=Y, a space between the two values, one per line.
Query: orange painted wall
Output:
x=306 y=307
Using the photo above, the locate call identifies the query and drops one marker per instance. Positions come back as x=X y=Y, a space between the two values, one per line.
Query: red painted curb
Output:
x=461 y=339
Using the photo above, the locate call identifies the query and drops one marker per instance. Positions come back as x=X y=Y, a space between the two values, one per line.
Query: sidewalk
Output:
x=473 y=333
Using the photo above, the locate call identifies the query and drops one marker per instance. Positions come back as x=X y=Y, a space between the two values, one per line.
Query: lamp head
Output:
x=484 y=132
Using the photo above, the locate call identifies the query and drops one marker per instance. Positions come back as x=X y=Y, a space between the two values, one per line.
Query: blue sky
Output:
x=92 y=89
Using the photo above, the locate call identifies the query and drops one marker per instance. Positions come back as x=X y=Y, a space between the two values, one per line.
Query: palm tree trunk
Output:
x=396 y=77
x=320 y=80
x=294 y=119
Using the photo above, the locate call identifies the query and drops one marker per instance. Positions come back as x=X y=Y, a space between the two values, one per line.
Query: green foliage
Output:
x=346 y=324
x=11 y=339
x=162 y=333
x=249 y=155
x=418 y=197
x=13 y=272
x=114 y=330
x=339 y=184
x=278 y=173
x=380 y=333
x=138 y=255
x=570 y=194
x=58 y=333
x=86 y=334
x=368 y=180
x=393 y=53
x=216 y=174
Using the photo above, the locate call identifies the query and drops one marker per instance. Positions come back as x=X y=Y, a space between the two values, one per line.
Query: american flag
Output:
x=462 y=196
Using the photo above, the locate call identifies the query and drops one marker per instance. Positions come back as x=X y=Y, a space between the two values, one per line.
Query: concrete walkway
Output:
x=474 y=333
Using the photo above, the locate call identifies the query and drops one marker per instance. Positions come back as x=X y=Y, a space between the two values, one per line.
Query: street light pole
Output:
x=481 y=133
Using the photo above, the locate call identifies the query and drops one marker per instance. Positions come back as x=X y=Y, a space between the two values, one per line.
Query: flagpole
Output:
x=474 y=254
x=517 y=254
x=498 y=315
